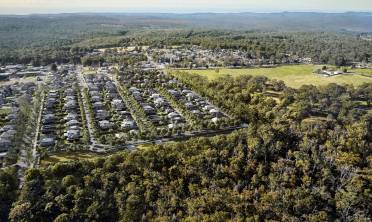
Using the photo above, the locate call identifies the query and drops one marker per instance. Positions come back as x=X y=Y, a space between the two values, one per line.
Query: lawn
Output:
x=293 y=75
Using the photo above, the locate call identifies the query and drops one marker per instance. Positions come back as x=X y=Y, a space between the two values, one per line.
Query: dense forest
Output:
x=323 y=48
x=8 y=191
x=45 y=39
x=305 y=156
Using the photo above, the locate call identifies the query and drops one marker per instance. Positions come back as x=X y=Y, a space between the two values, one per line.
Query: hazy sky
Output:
x=45 y=6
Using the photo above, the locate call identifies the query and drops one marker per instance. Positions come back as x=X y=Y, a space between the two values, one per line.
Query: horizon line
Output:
x=170 y=11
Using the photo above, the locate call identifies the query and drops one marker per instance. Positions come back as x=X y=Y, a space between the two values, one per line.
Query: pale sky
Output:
x=179 y=6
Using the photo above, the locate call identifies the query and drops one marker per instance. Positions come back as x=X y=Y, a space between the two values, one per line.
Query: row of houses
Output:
x=197 y=105
x=10 y=93
x=61 y=117
x=71 y=109
x=197 y=57
x=8 y=131
x=9 y=108
x=110 y=111
x=142 y=85
x=50 y=121
x=156 y=107
x=21 y=71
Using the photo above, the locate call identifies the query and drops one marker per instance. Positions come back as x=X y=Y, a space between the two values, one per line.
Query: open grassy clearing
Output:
x=69 y=156
x=144 y=146
x=29 y=79
x=5 y=110
x=365 y=72
x=89 y=71
x=293 y=75
x=314 y=119
x=84 y=155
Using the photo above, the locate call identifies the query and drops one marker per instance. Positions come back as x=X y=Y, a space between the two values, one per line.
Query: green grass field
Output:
x=5 y=110
x=69 y=156
x=293 y=75
x=89 y=71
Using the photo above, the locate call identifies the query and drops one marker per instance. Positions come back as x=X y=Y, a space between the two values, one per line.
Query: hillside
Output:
x=36 y=29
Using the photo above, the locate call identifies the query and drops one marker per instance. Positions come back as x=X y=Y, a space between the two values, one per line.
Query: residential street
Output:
x=94 y=145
